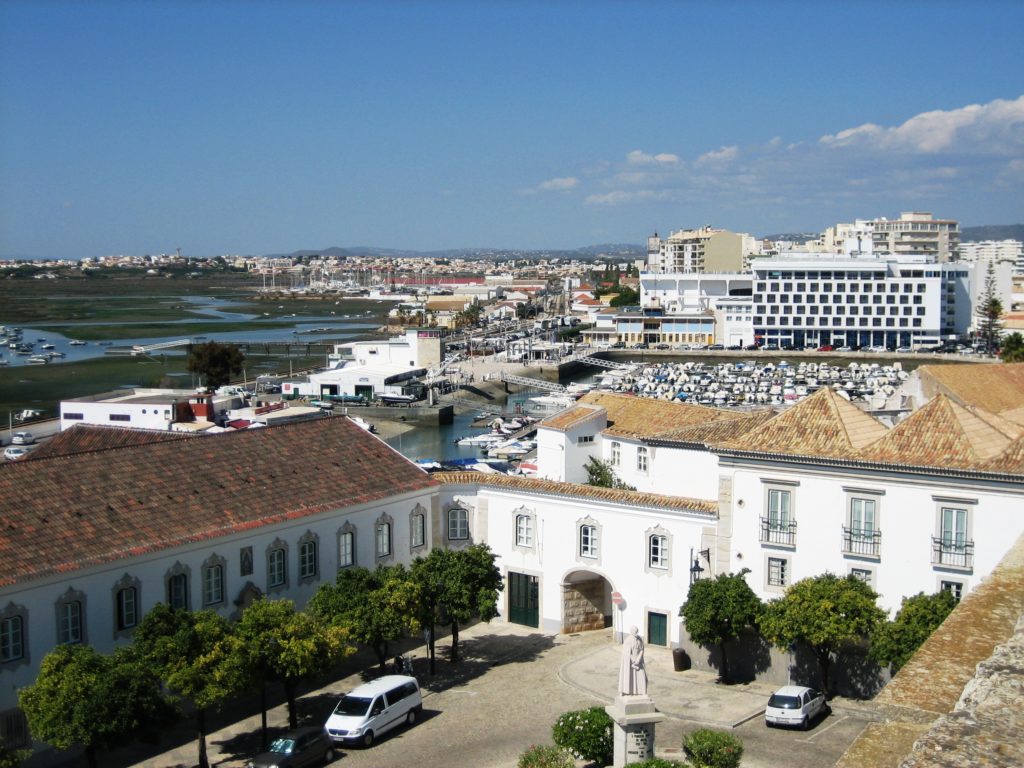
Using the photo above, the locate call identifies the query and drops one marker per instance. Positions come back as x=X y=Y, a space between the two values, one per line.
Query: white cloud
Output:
x=558 y=184
x=620 y=197
x=720 y=155
x=992 y=129
x=637 y=157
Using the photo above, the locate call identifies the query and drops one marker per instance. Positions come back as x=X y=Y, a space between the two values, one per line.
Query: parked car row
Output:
x=359 y=718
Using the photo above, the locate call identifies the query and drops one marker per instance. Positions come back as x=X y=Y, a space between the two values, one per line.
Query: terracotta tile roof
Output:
x=823 y=424
x=640 y=417
x=87 y=437
x=572 y=417
x=720 y=431
x=996 y=387
x=1010 y=461
x=944 y=434
x=578 y=490
x=69 y=512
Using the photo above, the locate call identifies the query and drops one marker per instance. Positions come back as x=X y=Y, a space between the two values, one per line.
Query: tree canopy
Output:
x=602 y=474
x=824 y=612
x=216 y=363
x=460 y=585
x=83 y=697
x=895 y=641
x=377 y=607
x=195 y=656
x=718 y=610
x=281 y=643
x=1012 y=349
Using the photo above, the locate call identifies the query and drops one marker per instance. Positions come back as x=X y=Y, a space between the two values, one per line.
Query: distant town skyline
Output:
x=254 y=128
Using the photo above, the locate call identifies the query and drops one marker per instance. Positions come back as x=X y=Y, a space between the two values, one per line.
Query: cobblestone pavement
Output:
x=507 y=691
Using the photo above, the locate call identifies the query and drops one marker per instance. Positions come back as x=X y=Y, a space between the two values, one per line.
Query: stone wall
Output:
x=583 y=606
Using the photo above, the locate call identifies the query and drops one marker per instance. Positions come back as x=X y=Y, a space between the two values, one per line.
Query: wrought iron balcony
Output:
x=956 y=554
x=862 y=541
x=776 y=532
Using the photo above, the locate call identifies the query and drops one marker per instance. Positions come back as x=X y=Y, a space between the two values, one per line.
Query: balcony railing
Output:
x=956 y=554
x=775 y=532
x=860 y=541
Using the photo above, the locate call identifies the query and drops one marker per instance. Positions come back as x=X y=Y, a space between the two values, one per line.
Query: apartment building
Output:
x=840 y=301
x=700 y=250
x=917 y=236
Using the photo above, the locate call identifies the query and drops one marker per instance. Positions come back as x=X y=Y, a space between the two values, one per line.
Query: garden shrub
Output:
x=713 y=749
x=657 y=762
x=543 y=756
x=586 y=734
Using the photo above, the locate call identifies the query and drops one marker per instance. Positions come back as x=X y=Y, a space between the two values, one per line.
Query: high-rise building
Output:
x=995 y=251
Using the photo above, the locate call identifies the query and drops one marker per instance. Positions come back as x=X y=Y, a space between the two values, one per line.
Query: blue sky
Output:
x=258 y=127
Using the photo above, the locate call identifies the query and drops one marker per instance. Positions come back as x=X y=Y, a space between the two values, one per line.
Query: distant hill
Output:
x=793 y=237
x=620 y=251
x=992 y=232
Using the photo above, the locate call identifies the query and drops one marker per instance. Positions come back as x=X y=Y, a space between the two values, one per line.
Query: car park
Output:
x=22 y=438
x=15 y=452
x=374 y=708
x=297 y=749
x=795 y=705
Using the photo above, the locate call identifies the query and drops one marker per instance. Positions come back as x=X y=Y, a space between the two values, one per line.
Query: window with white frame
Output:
x=458 y=524
x=641 y=458
x=953 y=545
x=309 y=556
x=127 y=608
x=277 y=567
x=616 y=453
x=862 y=536
x=417 y=527
x=176 y=582
x=778 y=572
x=956 y=587
x=383 y=539
x=347 y=546
x=588 y=540
x=524 y=530
x=213 y=584
x=863 y=574
x=12 y=638
x=70 y=622
x=778 y=525
x=657 y=551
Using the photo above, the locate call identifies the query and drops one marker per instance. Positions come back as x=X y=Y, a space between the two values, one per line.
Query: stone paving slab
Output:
x=691 y=695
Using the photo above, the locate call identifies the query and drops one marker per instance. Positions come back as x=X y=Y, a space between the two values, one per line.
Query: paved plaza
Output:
x=504 y=695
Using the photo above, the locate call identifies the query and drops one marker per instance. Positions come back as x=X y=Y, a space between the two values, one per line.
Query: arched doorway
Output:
x=586 y=602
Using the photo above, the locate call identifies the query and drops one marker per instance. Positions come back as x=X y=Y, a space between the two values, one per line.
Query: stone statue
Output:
x=632 y=672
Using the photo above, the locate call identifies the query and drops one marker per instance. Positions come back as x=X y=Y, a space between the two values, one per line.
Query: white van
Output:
x=375 y=708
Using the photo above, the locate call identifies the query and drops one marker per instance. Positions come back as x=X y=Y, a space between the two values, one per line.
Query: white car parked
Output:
x=15 y=452
x=22 y=438
x=795 y=705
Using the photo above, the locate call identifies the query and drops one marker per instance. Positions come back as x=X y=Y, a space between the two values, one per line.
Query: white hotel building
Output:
x=865 y=301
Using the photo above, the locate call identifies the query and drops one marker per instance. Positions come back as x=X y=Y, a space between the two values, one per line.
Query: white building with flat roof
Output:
x=824 y=299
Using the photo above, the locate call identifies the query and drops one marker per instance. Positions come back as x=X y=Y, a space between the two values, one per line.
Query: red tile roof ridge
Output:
x=560 y=488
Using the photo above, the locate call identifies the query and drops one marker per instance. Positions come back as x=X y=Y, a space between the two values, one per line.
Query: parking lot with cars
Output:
x=509 y=689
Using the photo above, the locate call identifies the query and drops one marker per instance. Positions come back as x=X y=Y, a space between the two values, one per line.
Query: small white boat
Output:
x=77 y=343
x=37 y=360
x=488 y=438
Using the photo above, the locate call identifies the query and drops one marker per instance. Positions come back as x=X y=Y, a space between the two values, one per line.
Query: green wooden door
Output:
x=523 y=599
x=657 y=629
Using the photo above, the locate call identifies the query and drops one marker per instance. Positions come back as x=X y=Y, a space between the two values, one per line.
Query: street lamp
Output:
x=695 y=569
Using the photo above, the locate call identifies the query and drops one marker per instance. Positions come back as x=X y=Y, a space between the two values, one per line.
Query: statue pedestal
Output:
x=634 y=718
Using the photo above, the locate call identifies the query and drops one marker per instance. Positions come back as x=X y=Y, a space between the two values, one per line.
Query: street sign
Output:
x=617 y=598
